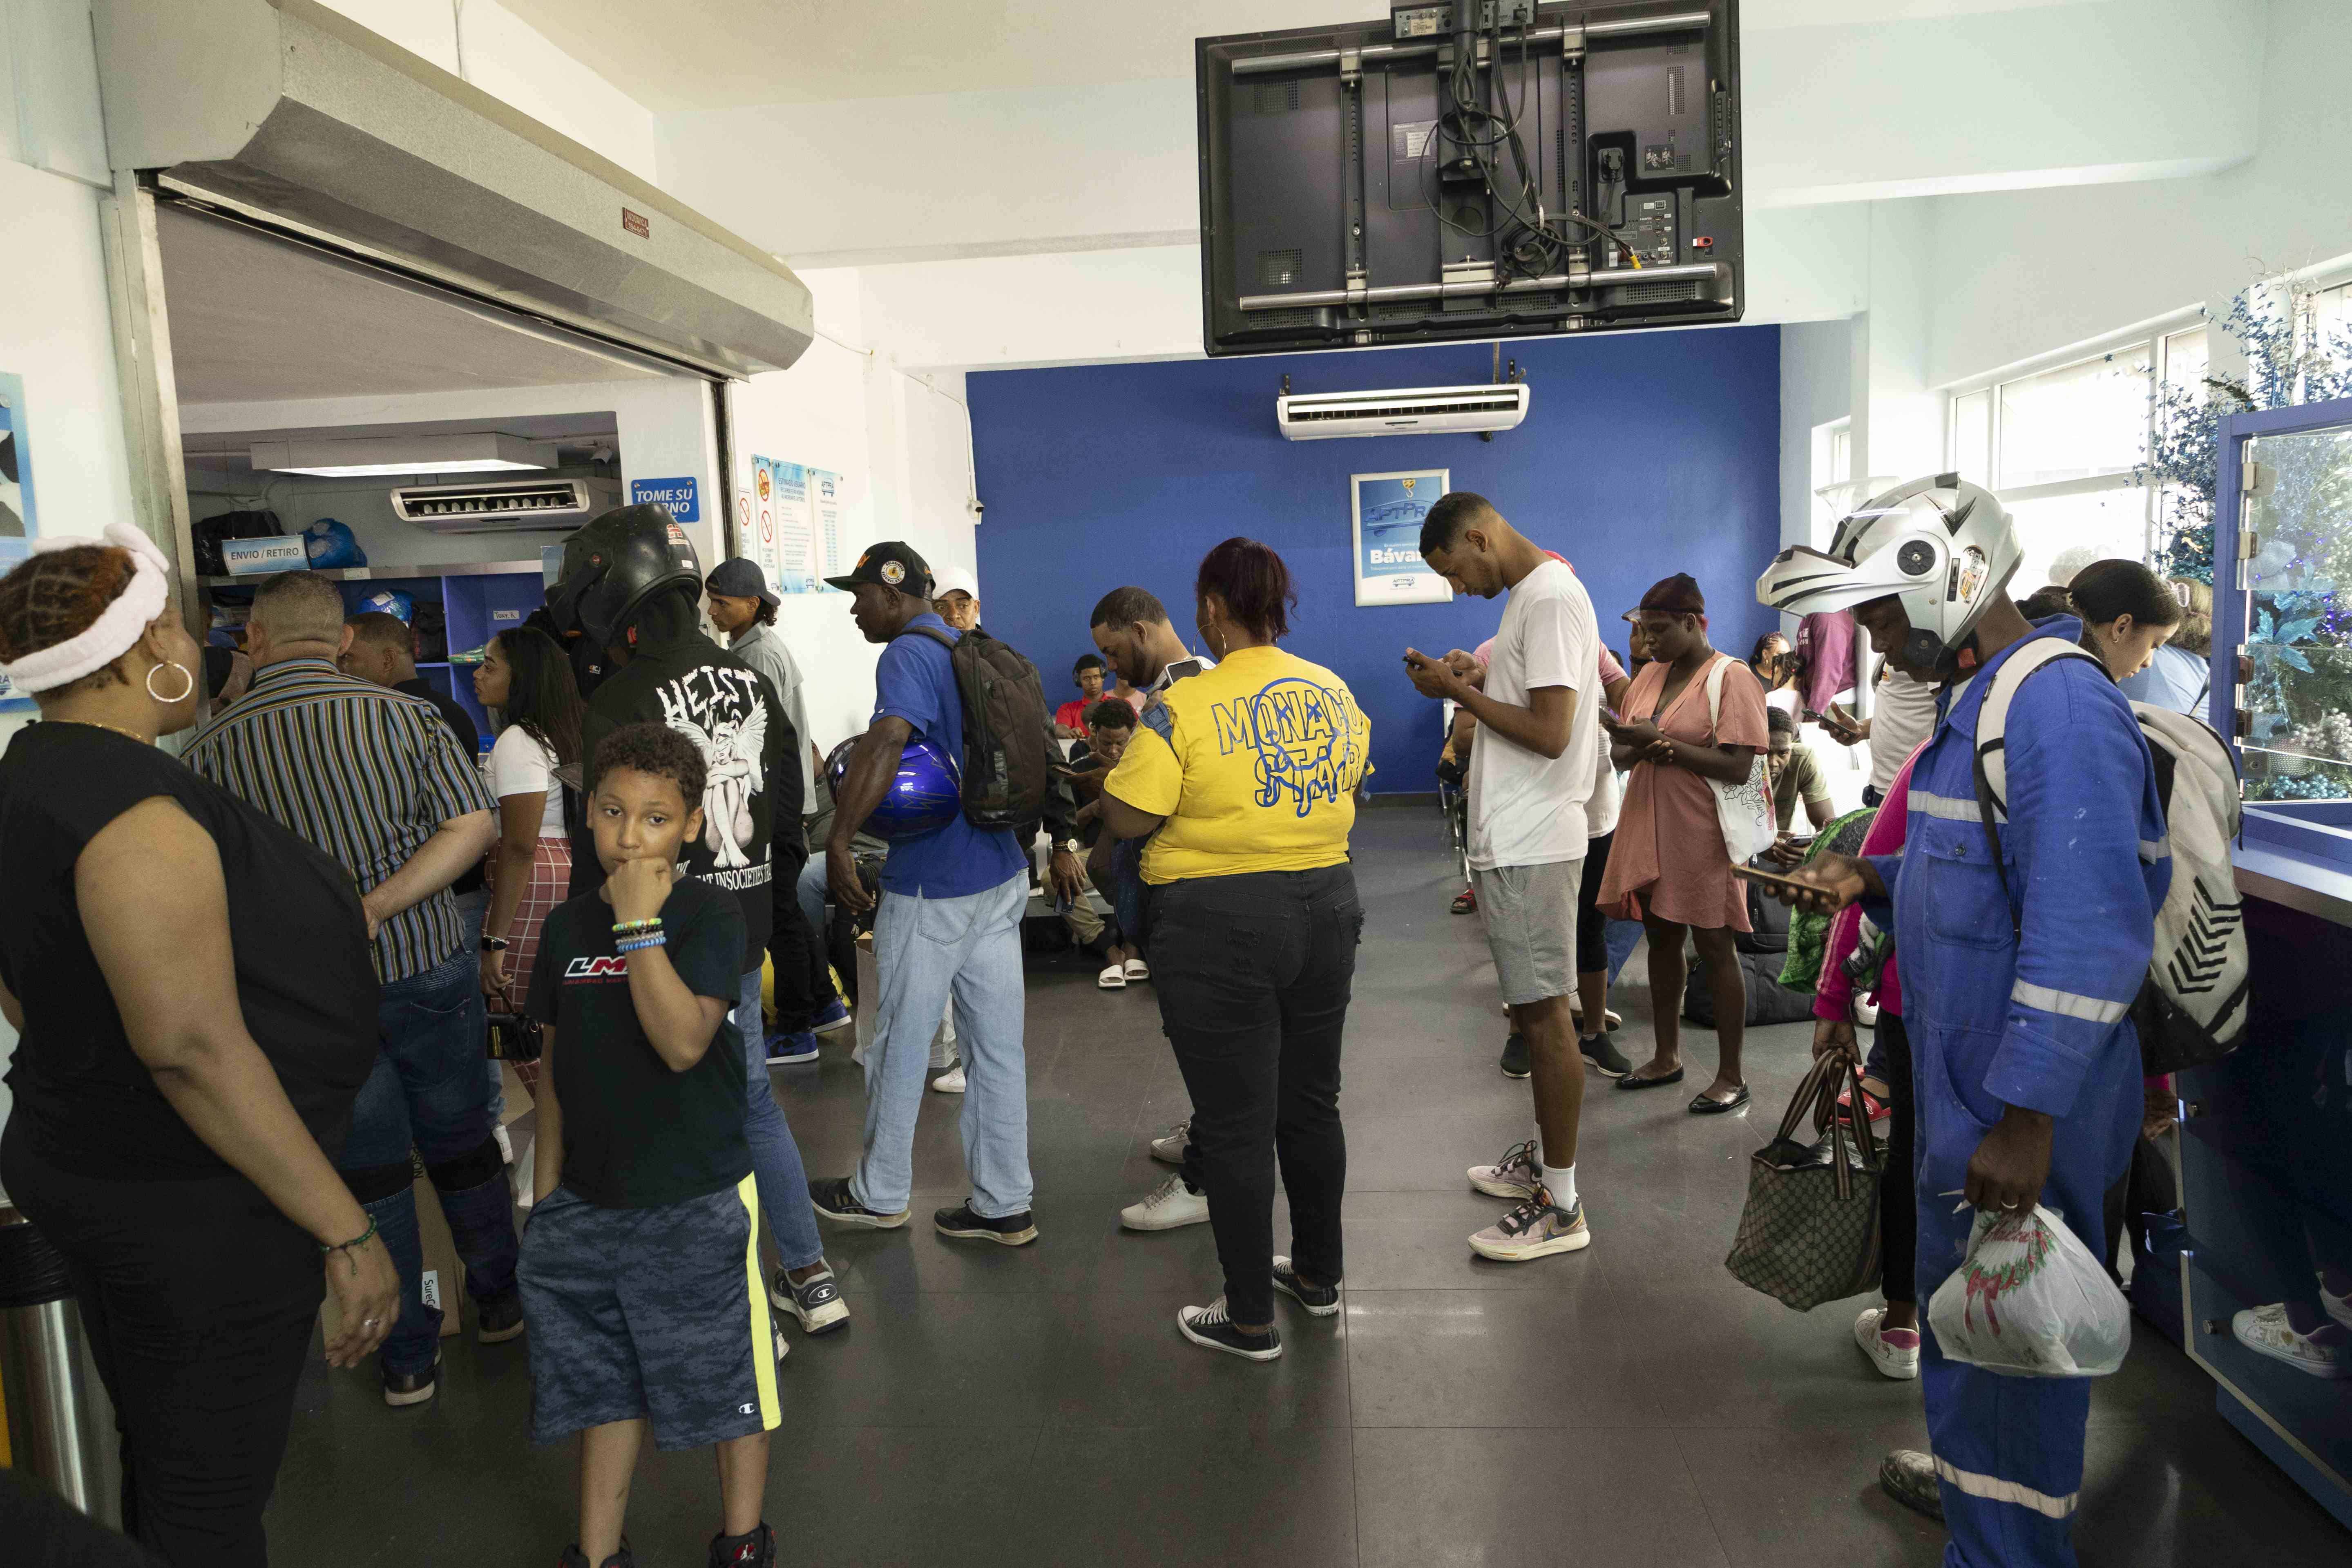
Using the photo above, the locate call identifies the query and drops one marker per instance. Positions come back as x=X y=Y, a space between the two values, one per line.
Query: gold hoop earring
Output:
x=187 y=686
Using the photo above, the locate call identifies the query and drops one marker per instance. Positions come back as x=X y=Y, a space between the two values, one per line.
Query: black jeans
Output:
x=197 y=1298
x=1253 y=973
x=1898 y=1213
x=796 y=954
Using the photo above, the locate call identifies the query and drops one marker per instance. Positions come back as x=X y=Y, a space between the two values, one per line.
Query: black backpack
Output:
x=1008 y=734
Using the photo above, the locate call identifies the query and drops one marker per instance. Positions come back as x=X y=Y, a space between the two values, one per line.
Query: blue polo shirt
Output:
x=915 y=682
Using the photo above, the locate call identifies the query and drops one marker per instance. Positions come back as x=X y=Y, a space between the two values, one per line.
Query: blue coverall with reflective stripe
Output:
x=2037 y=1023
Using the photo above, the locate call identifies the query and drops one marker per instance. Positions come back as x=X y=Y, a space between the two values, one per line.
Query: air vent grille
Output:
x=503 y=500
x=1504 y=403
x=1657 y=294
x=1264 y=319
x=1277 y=97
x=1280 y=268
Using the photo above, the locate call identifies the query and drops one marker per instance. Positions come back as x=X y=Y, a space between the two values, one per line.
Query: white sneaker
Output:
x=2321 y=1352
x=1112 y=978
x=1892 y=1360
x=2337 y=1306
x=950 y=1082
x=1514 y=1175
x=1168 y=1207
x=1168 y=1147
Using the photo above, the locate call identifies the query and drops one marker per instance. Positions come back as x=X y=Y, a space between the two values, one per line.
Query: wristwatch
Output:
x=494 y=944
x=1065 y=846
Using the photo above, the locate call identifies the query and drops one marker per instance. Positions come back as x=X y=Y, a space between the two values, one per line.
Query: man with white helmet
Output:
x=2017 y=973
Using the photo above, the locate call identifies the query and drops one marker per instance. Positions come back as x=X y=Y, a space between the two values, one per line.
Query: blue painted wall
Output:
x=1644 y=453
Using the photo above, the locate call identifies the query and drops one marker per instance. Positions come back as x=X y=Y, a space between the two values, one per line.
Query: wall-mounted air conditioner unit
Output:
x=505 y=506
x=1411 y=411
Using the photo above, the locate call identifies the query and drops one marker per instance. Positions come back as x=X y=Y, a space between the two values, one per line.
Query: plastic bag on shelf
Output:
x=2030 y=1300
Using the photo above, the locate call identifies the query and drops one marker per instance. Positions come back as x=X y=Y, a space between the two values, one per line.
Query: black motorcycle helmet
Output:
x=613 y=565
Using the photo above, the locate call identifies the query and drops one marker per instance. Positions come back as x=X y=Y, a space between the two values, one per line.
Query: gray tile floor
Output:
x=1628 y=1405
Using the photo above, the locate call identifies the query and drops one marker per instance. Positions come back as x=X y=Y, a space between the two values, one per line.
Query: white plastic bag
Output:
x=2030 y=1300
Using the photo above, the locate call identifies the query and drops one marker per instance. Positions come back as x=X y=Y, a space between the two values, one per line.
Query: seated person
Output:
x=1070 y=718
x=1792 y=773
x=1110 y=725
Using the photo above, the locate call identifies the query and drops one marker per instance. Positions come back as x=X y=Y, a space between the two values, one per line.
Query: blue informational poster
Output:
x=675 y=496
x=19 y=524
x=1388 y=510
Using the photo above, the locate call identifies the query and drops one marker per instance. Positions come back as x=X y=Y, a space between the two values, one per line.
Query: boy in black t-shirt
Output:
x=640 y=1266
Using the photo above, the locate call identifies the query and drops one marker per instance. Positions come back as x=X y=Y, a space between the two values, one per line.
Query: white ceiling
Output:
x=672 y=55
x=257 y=319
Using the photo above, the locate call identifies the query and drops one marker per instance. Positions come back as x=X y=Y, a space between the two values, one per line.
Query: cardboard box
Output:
x=254 y=557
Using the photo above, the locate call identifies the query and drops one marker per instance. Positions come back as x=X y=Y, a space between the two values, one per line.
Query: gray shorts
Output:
x=1531 y=915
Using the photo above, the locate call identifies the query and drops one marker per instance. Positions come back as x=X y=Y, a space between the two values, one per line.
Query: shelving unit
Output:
x=479 y=599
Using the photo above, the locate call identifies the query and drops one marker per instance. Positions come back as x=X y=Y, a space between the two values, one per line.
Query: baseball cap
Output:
x=889 y=564
x=953 y=580
x=741 y=579
x=1677 y=595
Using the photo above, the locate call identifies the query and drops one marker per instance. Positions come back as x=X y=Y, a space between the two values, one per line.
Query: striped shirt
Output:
x=364 y=773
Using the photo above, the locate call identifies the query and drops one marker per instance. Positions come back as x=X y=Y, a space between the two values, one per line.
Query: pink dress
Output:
x=1669 y=858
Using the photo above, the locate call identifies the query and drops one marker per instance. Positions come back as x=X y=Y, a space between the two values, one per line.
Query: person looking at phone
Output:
x=1070 y=718
x=1669 y=867
x=1775 y=664
x=1110 y=724
x=2018 y=971
x=1791 y=774
x=1903 y=714
x=1531 y=773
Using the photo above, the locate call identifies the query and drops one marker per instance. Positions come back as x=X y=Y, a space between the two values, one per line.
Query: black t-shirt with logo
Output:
x=733 y=716
x=637 y=1134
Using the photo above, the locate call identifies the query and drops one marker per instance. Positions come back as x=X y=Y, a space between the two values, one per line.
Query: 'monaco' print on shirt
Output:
x=1309 y=739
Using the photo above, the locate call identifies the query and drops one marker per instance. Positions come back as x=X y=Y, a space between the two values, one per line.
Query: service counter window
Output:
x=2284 y=544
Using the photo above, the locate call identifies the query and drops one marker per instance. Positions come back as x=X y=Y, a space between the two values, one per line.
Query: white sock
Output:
x=1560 y=1182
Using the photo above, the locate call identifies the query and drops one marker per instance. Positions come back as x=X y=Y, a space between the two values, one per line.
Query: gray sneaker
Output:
x=815 y=1302
x=1603 y=1053
x=1908 y=1477
x=1537 y=1228
x=1514 y=1175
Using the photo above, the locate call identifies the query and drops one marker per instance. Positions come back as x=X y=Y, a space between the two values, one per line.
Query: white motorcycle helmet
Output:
x=1943 y=546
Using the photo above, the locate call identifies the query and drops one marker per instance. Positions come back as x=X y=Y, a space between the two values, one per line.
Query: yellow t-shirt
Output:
x=1259 y=772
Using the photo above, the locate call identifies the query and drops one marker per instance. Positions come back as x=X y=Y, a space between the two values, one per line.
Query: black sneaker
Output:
x=832 y=1198
x=1515 y=1056
x=401 y=1388
x=815 y=1302
x=498 y=1319
x=757 y=1550
x=1013 y=1230
x=574 y=1558
x=1603 y=1053
x=1321 y=1300
x=1210 y=1329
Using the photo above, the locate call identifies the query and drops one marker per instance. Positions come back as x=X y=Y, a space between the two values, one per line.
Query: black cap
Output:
x=1677 y=595
x=889 y=564
x=741 y=579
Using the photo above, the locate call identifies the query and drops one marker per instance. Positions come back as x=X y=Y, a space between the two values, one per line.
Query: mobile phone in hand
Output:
x=1776 y=879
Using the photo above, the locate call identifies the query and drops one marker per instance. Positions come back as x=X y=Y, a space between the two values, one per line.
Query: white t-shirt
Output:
x=1786 y=701
x=1607 y=794
x=1527 y=809
x=1906 y=716
x=518 y=764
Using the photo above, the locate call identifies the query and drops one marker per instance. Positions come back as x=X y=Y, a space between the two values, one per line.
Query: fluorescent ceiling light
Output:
x=362 y=457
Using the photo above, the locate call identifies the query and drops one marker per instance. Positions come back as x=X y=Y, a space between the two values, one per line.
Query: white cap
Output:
x=946 y=579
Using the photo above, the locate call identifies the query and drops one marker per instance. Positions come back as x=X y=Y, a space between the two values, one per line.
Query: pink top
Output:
x=1610 y=668
x=1669 y=858
x=1834 y=996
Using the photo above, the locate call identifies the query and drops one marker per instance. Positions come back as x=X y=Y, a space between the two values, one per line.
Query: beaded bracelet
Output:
x=634 y=943
x=360 y=1240
x=637 y=927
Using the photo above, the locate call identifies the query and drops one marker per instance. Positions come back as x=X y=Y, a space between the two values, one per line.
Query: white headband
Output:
x=110 y=636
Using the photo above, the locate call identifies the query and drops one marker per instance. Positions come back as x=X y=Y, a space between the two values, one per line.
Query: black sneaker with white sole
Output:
x=832 y=1198
x=1321 y=1300
x=498 y=1319
x=815 y=1302
x=1012 y=1230
x=401 y=1389
x=1210 y=1328
x=1515 y=1055
x=1603 y=1053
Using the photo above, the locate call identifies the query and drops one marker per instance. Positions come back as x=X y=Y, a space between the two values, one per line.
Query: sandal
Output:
x=1465 y=903
x=1702 y=1106
x=1112 y=978
x=1631 y=1080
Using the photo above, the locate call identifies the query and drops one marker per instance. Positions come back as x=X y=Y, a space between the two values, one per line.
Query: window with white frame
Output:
x=2058 y=446
x=1832 y=465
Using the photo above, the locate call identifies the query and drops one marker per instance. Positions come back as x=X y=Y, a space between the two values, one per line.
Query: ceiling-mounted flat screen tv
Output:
x=1470 y=169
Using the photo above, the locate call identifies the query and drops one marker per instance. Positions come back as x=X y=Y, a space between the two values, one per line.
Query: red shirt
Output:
x=1072 y=715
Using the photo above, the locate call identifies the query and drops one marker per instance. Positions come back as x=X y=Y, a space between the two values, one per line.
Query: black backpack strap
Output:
x=933 y=633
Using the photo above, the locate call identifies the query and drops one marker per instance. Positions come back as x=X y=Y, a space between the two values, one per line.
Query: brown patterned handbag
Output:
x=1809 y=1232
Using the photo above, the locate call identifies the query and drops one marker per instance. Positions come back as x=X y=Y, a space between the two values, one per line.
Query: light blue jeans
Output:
x=776 y=1164
x=927 y=951
x=811 y=888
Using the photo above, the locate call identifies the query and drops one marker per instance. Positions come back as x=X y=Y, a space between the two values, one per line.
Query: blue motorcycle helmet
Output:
x=924 y=796
x=390 y=602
